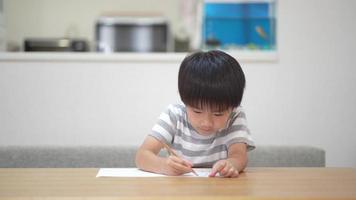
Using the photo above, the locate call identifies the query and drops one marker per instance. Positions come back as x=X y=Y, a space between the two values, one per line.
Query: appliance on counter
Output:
x=56 y=44
x=133 y=34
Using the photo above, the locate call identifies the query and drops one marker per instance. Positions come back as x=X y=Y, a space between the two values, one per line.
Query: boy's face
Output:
x=207 y=121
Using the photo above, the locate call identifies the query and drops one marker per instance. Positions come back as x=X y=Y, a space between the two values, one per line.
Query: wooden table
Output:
x=255 y=183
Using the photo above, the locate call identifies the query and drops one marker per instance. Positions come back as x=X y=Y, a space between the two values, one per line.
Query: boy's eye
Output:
x=218 y=114
x=197 y=111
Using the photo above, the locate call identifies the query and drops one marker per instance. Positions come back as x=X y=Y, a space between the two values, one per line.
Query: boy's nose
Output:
x=207 y=122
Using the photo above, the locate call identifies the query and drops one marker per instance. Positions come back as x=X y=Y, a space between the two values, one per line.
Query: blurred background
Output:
x=157 y=25
x=100 y=95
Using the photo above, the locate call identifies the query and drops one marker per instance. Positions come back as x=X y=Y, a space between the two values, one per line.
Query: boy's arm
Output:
x=148 y=160
x=237 y=155
x=146 y=156
x=235 y=162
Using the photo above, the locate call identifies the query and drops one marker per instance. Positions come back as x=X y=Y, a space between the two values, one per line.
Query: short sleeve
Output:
x=238 y=131
x=165 y=127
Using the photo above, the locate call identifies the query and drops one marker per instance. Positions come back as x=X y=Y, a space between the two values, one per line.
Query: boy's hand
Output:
x=177 y=166
x=225 y=169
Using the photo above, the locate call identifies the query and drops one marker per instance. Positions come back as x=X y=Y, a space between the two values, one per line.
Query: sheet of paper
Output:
x=134 y=172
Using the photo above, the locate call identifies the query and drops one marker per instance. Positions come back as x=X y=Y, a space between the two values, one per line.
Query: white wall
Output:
x=306 y=97
x=82 y=103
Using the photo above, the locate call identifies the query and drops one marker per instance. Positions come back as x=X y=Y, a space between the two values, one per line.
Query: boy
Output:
x=209 y=129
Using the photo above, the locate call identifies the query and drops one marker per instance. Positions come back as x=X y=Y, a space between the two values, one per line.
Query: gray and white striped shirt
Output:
x=174 y=129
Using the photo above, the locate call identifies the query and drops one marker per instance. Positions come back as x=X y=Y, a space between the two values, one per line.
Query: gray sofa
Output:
x=123 y=156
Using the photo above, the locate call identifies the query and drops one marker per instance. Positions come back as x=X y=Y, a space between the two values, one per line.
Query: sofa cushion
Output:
x=64 y=156
x=124 y=156
x=287 y=156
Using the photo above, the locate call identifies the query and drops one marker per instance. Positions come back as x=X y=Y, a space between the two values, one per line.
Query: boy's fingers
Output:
x=217 y=168
x=181 y=161
x=235 y=174
x=227 y=170
x=181 y=168
x=180 y=165
x=185 y=161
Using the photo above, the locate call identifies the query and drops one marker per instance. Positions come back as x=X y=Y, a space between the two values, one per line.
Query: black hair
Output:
x=213 y=79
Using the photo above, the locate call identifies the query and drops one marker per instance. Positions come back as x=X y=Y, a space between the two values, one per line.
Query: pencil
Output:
x=171 y=152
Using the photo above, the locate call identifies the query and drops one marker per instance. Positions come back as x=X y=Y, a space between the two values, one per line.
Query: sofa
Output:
x=124 y=156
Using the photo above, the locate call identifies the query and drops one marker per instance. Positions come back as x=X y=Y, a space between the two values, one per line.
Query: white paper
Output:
x=134 y=172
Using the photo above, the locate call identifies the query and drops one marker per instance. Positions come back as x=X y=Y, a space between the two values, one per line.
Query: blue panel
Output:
x=240 y=10
x=224 y=10
x=239 y=24
x=259 y=32
x=257 y=10
x=226 y=31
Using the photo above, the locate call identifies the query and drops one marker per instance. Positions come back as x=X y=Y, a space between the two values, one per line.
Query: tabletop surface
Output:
x=254 y=183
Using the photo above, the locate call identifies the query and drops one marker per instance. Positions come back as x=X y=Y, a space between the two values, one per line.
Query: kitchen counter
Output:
x=244 y=56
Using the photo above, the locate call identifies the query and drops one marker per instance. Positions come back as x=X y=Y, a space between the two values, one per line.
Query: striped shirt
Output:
x=174 y=129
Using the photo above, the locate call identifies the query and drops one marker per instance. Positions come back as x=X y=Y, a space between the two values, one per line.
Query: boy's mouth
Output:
x=206 y=130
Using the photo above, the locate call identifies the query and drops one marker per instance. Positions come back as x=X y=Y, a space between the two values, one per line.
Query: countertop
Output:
x=244 y=56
